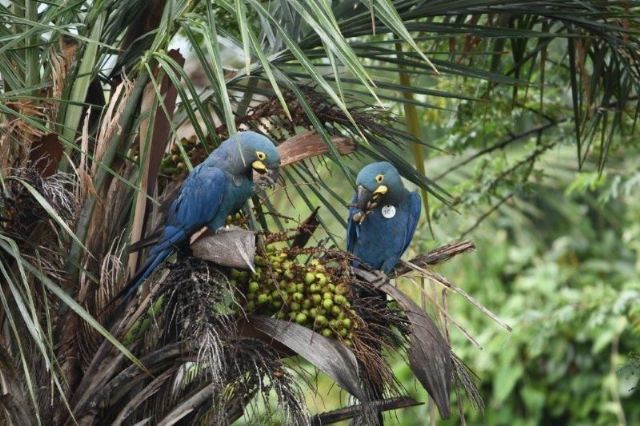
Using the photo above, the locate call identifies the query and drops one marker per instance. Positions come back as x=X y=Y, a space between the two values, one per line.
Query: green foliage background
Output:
x=559 y=261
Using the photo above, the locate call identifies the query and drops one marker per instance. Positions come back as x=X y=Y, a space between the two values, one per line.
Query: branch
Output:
x=354 y=410
x=434 y=257
x=306 y=229
x=488 y=213
x=500 y=145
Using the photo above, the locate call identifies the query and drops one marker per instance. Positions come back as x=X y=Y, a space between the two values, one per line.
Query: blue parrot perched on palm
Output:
x=216 y=188
x=383 y=217
x=381 y=224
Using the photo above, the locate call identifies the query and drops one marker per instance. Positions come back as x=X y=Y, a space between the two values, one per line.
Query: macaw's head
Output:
x=376 y=183
x=251 y=151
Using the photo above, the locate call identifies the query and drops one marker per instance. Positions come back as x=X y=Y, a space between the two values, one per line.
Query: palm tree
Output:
x=98 y=110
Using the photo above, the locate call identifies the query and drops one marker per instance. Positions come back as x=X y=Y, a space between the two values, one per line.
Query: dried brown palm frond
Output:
x=17 y=135
x=61 y=58
x=24 y=213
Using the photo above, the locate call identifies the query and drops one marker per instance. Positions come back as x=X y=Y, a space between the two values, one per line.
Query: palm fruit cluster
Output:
x=237 y=219
x=173 y=164
x=311 y=294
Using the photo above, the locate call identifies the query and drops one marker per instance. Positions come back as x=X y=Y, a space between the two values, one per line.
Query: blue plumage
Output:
x=381 y=224
x=216 y=188
x=383 y=219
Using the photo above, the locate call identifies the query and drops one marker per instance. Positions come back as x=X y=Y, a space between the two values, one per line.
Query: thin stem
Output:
x=413 y=126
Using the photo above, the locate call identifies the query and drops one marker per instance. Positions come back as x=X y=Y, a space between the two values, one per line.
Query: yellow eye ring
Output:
x=261 y=155
x=379 y=178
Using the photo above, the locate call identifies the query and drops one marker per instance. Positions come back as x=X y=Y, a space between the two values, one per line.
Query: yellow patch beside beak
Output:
x=380 y=190
x=259 y=166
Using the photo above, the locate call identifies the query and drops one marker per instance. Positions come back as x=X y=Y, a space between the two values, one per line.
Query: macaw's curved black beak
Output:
x=367 y=200
x=363 y=202
x=363 y=196
x=266 y=177
x=274 y=174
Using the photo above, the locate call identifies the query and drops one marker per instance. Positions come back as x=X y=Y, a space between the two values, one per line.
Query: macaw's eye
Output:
x=379 y=178
x=261 y=155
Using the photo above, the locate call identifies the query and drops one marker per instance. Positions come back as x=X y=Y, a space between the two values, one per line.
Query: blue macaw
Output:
x=383 y=217
x=216 y=188
x=381 y=224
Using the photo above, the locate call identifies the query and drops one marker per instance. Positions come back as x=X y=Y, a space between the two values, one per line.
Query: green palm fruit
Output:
x=326 y=332
x=320 y=320
x=253 y=287
x=321 y=278
x=309 y=277
x=301 y=318
x=263 y=298
x=327 y=303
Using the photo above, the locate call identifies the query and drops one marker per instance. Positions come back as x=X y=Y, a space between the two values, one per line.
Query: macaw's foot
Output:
x=380 y=279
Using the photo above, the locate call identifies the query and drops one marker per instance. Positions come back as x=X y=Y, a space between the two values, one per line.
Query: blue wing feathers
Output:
x=380 y=242
x=197 y=203
x=415 y=207
x=199 y=198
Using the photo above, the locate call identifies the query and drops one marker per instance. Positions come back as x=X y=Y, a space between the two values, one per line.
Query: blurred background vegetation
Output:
x=516 y=120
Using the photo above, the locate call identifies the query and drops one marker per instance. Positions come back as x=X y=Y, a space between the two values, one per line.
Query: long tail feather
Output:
x=171 y=237
x=144 y=273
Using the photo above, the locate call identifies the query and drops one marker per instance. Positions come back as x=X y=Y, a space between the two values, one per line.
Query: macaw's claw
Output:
x=360 y=216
